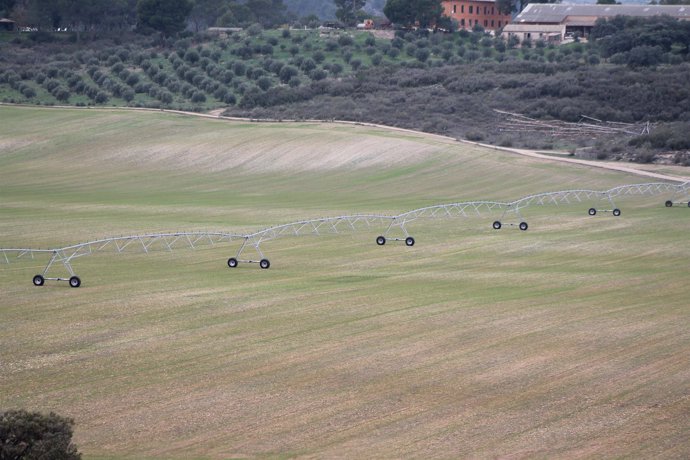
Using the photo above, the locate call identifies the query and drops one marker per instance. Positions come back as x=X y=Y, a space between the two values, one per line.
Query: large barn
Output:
x=552 y=22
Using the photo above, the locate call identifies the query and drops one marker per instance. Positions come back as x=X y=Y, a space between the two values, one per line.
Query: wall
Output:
x=470 y=12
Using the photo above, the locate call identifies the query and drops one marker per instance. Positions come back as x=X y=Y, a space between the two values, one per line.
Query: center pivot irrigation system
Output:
x=396 y=229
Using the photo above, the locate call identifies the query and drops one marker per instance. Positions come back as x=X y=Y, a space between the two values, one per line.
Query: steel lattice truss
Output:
x=678 y=195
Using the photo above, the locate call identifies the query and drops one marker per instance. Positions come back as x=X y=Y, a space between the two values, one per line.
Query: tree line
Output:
x=166 y=16
x=173 y=16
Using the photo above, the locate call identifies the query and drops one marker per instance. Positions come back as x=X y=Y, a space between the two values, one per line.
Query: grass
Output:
x=567 y=340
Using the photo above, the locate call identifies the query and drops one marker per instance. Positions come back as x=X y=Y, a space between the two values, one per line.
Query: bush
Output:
x=318 y=74
x=308 y=65
x=28 y=92
x=264 y=83
x=132 y=79
x=198 y=97
x=102 y=97
x=128 y=94
x=345 y=40
x=239 y=68
x=36 y=436
x=422 y=54
x=287 y=73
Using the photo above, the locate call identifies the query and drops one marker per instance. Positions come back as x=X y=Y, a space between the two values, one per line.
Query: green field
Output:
x=568 y=340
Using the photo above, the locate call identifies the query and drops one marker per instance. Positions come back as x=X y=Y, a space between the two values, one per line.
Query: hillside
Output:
x=568 y=339
x=594 y=101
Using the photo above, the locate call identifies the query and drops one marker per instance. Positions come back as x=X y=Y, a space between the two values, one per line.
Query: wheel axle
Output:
x=616 y=212
x=381 y=240
x=74 y=281
x=497 y=225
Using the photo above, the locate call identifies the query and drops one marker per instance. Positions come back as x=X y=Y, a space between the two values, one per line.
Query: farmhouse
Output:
x=553 y=22
x=469 y=13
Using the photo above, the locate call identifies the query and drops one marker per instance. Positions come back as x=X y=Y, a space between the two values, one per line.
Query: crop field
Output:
x=570 y=339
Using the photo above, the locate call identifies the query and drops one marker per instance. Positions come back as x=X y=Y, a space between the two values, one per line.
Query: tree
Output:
x=205 y=13
x=268 y=13
x=6 y=6
x=349 y=11
x=166 y=16
x=424 y=13
x=34 y=435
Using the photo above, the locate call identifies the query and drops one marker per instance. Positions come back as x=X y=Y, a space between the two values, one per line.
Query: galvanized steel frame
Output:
x=334 y=225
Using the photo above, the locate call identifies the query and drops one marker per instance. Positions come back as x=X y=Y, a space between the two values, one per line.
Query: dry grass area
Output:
x=568 y=340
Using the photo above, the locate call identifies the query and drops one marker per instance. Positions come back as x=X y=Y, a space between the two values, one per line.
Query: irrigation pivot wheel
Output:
x=74 y=282
x=409 y=241
x=39 y=280
x=380 y=240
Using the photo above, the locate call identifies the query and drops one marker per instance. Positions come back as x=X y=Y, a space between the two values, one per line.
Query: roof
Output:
x=558 y=13
x=476 y=1
x=547 y=28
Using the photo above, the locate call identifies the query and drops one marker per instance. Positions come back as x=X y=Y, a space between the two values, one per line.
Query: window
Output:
x=492 y=10
x=485 y=10
x=471 y=9
x=492 y=23
x=499 y=24
x=486 y=23
x=455 y=9
x=462 y=8
x=462 y=22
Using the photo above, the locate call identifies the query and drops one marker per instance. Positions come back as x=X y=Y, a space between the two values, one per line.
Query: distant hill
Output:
x=325 y=9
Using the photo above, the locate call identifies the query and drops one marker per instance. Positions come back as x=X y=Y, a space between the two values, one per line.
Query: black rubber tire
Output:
x=39 y=280
x=264 y=263
x=688 y=204
x=74 y=282
x=616 y=212
x=523 y=226
x=592 y=212
x=232 y=262
x=409 y=241
x=497 y=225
x=380 y=240
x=669 y=203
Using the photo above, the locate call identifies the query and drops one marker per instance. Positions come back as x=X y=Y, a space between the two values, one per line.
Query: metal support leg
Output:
x=263 y=261
x=522 y=225
x=395 y=223
x=57 y=256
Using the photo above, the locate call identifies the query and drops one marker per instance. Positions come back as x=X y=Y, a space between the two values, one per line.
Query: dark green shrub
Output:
x=102 y=97
x=318 y=74
x=198 y=97
x=287 y=73
x=25 y=435
x=264 y=83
